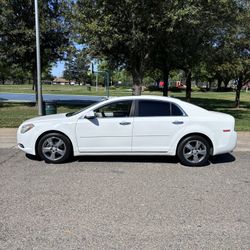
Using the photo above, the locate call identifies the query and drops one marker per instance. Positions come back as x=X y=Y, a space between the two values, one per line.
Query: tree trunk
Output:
x=239 y=86
x=219 y=84
x=188 y=85
x=158 y=83
x=3 y=80
x=137 y=82
x=209 y=85
x=226 y=82
x=165 y=80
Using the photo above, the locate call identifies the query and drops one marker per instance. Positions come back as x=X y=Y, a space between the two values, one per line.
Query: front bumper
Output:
x=26 y=141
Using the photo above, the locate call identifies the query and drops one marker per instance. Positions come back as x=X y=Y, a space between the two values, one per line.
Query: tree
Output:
x=242 y=47
x=198 y=30
x=228 y=56
x=77 y=64
x=17 y=33
x=121 y=31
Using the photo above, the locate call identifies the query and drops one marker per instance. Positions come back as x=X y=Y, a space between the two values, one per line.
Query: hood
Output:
x=46 y=118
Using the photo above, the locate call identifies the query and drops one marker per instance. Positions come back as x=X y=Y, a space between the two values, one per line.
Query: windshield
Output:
x=79 y=111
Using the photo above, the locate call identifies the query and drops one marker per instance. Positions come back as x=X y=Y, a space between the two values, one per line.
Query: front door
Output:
x=109 y=131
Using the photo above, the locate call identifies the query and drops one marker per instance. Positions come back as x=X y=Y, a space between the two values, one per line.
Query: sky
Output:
x=57 y=69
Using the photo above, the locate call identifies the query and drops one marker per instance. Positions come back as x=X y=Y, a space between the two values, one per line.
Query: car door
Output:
x=109 y=131
x=155 y=125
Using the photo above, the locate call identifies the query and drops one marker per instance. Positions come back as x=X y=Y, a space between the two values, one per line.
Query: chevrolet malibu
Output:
x=134 y=125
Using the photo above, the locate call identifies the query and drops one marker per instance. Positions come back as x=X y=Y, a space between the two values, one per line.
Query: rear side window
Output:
x=153 y=108
x=176 y=111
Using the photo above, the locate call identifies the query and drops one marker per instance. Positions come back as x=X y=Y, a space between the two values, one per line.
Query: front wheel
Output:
x=193 y=151
x=54 y=148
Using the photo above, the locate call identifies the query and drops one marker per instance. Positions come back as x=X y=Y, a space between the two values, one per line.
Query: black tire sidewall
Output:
x=184 y=142
x=66 y=142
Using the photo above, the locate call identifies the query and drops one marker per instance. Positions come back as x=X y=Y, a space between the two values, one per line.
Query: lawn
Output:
x=12 y=114
x=66 y=90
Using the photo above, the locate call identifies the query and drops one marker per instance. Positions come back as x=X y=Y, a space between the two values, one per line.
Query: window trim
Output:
x=136 y=113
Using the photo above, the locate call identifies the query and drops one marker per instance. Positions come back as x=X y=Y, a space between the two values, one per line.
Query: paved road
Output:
x=79 y=99
x=124 y=203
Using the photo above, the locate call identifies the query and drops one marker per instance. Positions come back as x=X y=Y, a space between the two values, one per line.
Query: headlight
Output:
x=26 y=128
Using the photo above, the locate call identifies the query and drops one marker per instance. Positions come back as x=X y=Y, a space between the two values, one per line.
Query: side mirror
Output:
x=90 y=115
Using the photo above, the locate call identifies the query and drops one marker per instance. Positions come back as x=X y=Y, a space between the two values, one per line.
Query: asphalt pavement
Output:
x=67 y=99
x=124 y=203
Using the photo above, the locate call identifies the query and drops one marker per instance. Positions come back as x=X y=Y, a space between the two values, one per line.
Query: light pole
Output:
x=106 y=72
x=38 y=62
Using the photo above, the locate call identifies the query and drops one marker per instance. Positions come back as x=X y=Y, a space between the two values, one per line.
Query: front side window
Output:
x=115 y=109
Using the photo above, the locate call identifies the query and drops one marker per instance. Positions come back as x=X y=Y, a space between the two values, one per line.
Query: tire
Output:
x=193 y=151
x=54 y=148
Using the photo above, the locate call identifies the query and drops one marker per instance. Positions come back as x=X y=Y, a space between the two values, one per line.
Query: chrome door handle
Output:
x=125 y=123
x=178 y=122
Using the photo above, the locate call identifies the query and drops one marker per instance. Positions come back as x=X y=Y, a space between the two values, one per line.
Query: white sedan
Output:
x=134 y=125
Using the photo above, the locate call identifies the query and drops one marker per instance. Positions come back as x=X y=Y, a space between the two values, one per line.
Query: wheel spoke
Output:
x=188 y=155
x=198 y=144
x=196 y=159
x=189 y=146
x=202 y=152
x=50 y=141
x=46 y=149
x=53 y=156
x=59 y=143
x=61 y=152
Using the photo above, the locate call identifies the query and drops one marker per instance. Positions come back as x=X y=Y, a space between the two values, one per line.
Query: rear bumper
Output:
x=226 y=143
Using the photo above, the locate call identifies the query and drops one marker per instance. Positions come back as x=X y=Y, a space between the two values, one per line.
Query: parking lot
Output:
x=124 y=203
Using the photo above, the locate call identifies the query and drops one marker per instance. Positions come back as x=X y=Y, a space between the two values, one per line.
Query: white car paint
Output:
x=141 y=135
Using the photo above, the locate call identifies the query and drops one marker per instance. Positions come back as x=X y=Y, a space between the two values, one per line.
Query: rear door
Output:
x=155 y=125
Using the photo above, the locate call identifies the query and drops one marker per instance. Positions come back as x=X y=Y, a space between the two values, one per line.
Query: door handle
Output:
x=177 y=122
x=125 y=123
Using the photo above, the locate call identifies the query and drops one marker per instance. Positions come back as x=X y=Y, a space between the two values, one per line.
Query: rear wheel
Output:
x=54 y=148
x=193 y=151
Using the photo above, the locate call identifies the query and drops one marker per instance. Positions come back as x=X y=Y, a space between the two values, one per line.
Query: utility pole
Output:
x=38 y=62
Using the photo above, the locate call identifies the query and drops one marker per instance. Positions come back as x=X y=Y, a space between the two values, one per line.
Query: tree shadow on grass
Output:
x=215 y=104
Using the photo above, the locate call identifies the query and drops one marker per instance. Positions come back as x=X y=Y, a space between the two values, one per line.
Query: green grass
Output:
x=12 y=114
x=66 y=90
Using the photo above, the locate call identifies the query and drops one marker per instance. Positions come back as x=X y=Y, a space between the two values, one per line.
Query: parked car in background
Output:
x=133 y=125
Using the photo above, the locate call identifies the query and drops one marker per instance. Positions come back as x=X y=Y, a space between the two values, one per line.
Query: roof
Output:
x=60 y=80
